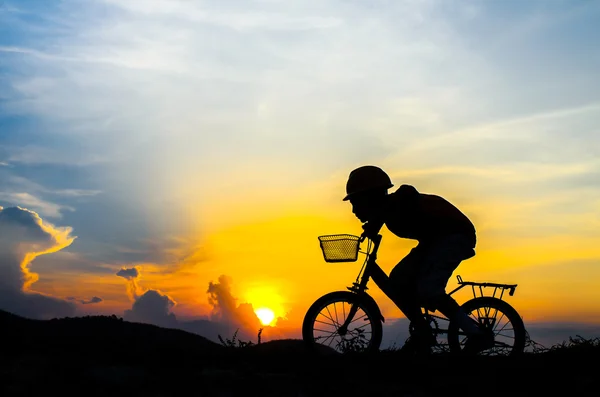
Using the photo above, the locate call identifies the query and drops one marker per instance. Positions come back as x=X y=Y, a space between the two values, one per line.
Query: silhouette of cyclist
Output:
x=445 y=238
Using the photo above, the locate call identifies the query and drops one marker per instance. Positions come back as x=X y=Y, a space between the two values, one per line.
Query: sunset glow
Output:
x=265 y=315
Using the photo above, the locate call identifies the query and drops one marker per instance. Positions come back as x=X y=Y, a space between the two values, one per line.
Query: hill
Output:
x=105 y=356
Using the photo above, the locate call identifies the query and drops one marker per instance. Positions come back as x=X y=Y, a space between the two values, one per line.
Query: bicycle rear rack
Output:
x=498 y=288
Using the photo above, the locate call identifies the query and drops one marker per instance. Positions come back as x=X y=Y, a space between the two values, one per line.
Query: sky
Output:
x=171 y=160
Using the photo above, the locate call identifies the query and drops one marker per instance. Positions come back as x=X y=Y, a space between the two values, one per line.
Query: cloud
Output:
x=149 y=306
x=226 y=310
x=128 y=274
x=133 y=288
x=251 y=18
x=93 y=300
x=226 y=317
x=75 y=192
x=42 y=207
x=24 y=237
x=152 y=307
x=341 y=87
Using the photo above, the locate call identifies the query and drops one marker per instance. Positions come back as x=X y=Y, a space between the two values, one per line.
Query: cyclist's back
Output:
x=425 y=217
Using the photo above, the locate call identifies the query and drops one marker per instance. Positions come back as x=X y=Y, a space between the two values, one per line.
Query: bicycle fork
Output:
x=343 y=329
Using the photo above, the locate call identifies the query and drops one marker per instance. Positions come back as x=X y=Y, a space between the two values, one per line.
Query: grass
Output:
x=234 y=342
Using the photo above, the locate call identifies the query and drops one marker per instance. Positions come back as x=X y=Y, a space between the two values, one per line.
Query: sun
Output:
x=265 y=315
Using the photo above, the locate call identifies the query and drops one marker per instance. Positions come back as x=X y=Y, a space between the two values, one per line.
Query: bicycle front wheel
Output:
x=495 y=316
x=324 y=319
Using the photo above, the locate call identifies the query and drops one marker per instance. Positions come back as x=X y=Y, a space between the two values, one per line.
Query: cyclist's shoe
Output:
x=477 y=343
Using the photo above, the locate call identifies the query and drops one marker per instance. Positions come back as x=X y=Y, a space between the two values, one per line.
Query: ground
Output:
x=105 y=356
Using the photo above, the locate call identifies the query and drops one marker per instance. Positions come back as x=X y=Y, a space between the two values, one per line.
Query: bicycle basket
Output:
x=339 y=247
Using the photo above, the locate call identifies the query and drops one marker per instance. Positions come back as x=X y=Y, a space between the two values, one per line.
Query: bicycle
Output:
x=356 y=323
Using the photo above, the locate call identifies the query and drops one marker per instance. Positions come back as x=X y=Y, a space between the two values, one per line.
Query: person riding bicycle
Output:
x=445 y=238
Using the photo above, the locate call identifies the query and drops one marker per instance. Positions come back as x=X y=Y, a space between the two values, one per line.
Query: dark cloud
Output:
x=131 y=275
x=24 y=237
x=128 y=274
x=149 y=306
x=225 y=308
x=152 y=307
x=94 y=299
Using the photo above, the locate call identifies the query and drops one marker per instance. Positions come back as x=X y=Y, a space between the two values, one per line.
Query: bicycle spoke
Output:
x=322 y=330
x=506 y=336
x=332 y=339
x=501 y=329
x=331 y=317
x=504 y=329
x=356 y=319
x=321 y=322
x=332 y=335
x=336 y=315
x=362 y=326
x=486 y=311
x=496 y=313
x=478 y=315
x=318 y=338
x=499 y=320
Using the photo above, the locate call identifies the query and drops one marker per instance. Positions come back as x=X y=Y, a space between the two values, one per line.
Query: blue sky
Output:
x=147 y=125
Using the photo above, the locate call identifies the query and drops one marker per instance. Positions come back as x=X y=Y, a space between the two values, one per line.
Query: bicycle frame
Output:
x=360 y=288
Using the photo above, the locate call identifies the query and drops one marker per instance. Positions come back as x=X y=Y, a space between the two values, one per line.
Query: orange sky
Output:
x=274 y=260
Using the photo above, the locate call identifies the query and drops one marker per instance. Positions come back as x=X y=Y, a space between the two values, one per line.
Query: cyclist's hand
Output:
x=371 y=228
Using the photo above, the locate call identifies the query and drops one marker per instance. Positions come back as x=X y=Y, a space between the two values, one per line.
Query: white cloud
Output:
x=30 y=201
x=194 y=93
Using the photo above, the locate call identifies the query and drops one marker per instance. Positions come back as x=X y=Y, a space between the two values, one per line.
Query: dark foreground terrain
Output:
x=104 y=356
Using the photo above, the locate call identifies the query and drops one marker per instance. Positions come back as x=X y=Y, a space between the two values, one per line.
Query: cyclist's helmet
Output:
x=366 y=178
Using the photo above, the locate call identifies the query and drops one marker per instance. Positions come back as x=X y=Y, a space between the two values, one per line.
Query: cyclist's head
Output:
x=367 y=180
x=366 y=189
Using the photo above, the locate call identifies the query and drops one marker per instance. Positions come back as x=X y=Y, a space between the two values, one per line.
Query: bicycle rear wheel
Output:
x=322 y=322
x=495 y=316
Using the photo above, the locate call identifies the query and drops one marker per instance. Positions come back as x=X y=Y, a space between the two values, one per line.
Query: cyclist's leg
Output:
x=440 y=261
x=403 y=291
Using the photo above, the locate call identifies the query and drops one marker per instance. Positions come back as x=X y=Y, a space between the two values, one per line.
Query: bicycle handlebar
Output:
x=370 y=230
